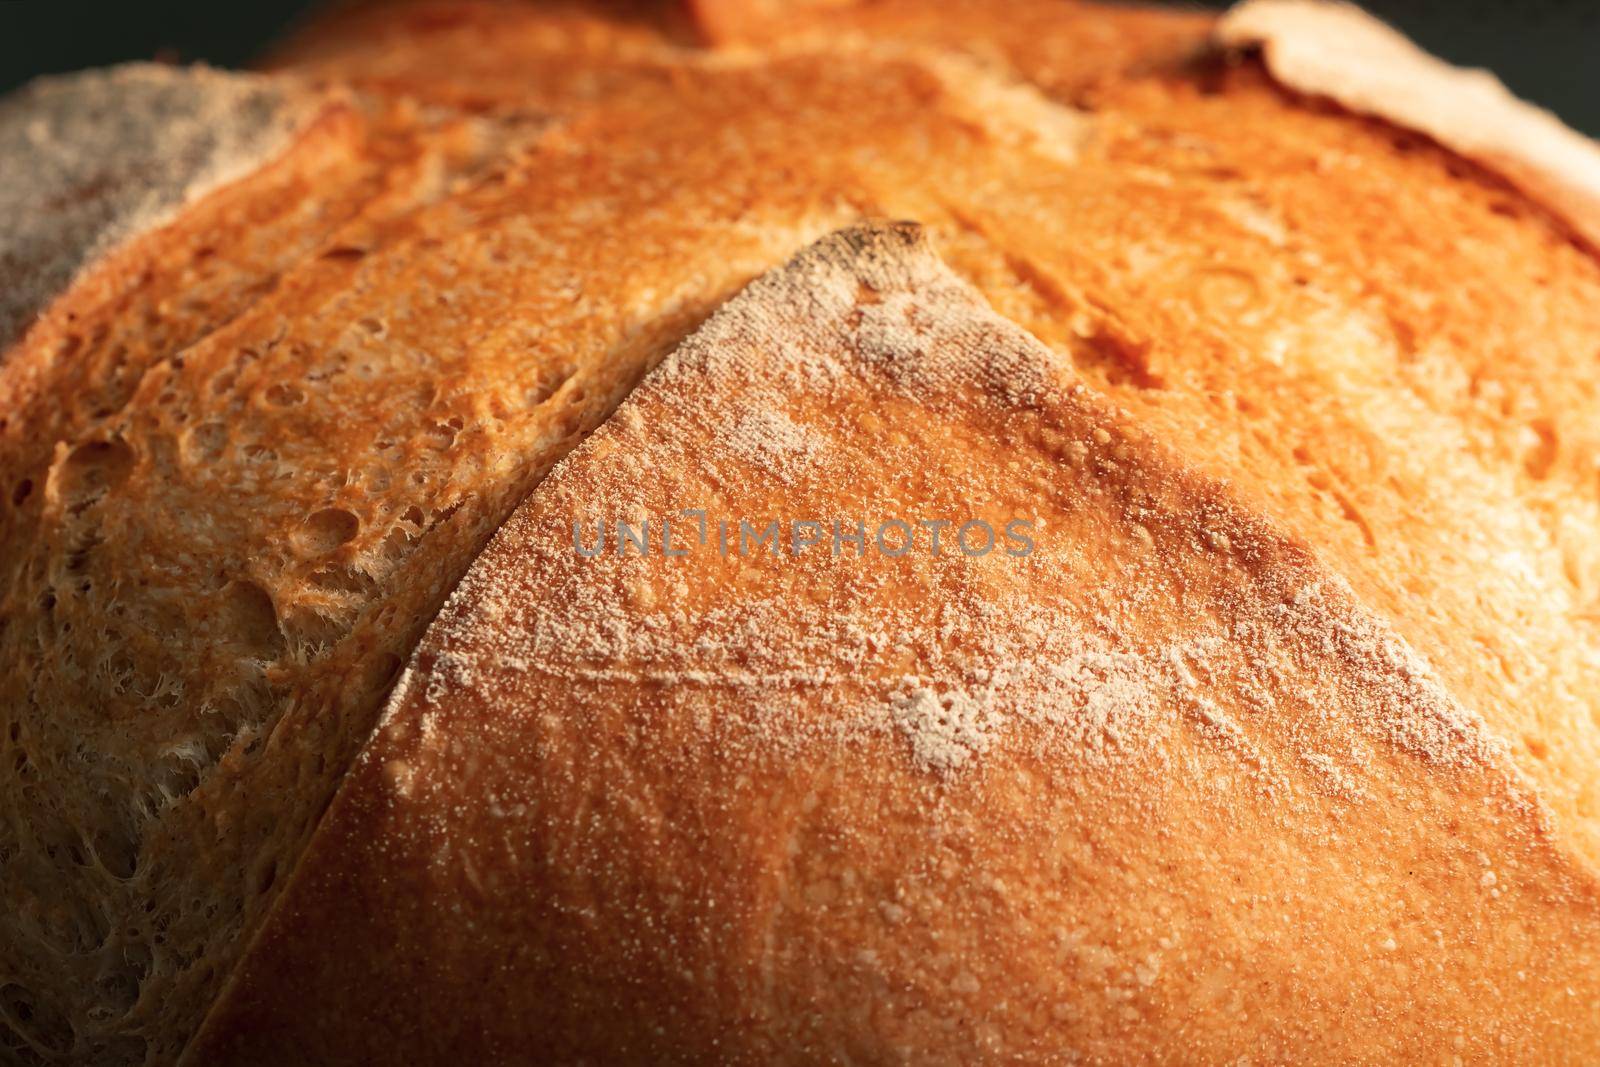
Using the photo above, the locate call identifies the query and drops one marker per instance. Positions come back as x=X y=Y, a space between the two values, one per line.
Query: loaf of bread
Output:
x=493 y=555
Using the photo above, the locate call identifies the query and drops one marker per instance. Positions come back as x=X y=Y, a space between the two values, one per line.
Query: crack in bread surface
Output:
x=704 y=790
x=1386 y=350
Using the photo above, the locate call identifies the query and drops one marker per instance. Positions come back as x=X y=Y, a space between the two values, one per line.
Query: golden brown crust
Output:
x=89 y=160
x=1161 y=790
x=1387 y=351
x=489 y=55
x=1334 y=49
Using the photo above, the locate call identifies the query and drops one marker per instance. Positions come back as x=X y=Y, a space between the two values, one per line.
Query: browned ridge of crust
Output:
x=247 y=453
x=1160 y=789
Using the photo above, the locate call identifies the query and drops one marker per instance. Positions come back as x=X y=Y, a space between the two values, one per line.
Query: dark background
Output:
x=1548 y=51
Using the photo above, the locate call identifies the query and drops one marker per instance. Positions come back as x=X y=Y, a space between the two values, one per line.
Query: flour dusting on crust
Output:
x=954 y=656
x=88 y=160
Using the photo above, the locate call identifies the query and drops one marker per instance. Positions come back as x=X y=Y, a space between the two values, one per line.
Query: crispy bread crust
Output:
x=1334 y=49
x=90 y=160
x=247 y=456
x=1161 y=791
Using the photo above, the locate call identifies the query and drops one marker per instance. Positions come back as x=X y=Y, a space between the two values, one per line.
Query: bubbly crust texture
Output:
x=247 y=453
x=1159 y=789
x=251 y=446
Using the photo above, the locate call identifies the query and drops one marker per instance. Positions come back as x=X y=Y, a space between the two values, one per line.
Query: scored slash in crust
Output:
x=645 y=806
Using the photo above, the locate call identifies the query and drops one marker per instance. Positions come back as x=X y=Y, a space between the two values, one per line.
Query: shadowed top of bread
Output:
x=88 y=160
x=699 y=792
